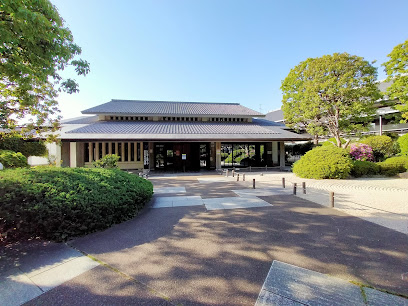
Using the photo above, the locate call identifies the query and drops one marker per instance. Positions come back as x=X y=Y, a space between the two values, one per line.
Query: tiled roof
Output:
x=177 y=131
x=168 y=127
x=276 y=115
x=138 y=107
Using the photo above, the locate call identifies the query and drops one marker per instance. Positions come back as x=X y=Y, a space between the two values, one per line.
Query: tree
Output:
x=397 y=70
x=332 y=94
x=35 y=47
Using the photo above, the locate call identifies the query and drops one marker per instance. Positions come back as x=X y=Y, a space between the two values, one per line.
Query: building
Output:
x=174 y=136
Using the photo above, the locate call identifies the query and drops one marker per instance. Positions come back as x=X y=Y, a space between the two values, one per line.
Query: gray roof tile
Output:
x=139 y=107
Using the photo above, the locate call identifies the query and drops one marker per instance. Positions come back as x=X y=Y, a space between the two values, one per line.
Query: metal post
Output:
x=226 y=173
x=294 y=188
x=283 y=182
x=304 y=187
x=253 y=183
x=331 y=199
x=243 y=177
x=233 y=173
x=237 y=177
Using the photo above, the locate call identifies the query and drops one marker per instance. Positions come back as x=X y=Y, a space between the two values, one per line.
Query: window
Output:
x=86 y=152
x=119 y=153
x=138 y=152
x=99 y=150
x=132 y=151
x=126 y=157
x=113 y=148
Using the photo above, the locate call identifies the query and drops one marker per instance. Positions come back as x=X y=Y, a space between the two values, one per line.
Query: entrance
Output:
x=181 y=157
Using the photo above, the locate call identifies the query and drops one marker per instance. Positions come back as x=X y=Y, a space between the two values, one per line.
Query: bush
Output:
x=360 y=151
x=11 y=159
x=324 y=162
x=332 y=141
x=109 y=161
x=17 y=144
x=394 y=165
x=403 y=144
x=59 y=203
x=365 y=168
x=383 y=146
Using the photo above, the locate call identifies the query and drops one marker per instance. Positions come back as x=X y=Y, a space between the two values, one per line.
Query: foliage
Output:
x=324 y=162
x=109 y=161
x=16 y=143
x=383 y=146
x=397 y=70
x=59 y=203
x=403 y=144
x=398 y=162
x=35 y=46
x=331 y=94
x=360 y=151
x=332 y=141
x=299 y=149
x=10 y=159
x=364 y=168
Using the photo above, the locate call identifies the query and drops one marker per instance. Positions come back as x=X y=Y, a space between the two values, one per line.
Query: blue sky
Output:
x=215 y=50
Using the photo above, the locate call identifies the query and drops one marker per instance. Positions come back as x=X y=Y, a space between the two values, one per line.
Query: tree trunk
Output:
x=315 y=140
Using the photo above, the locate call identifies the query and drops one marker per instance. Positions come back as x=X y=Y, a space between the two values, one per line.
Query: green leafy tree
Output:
x=332 y=94
x=35 y=46
x=397 y=70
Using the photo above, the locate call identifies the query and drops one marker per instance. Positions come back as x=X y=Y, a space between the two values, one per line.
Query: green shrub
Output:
x=324 y=162
x=59 y=203
x=394 y=165
x=109 y=161
x=332 y=141
x=16 y=144
x=403 y=144
x=364 y=168
x=383 y=146
x=11 y=159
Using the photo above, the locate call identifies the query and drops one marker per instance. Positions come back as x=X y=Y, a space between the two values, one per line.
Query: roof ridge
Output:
x=187 y=102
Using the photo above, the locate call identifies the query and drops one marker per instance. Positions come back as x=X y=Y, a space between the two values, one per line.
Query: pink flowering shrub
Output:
x=360 y=151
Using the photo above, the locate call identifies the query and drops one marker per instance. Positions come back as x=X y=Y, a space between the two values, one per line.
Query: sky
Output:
x=217 y=50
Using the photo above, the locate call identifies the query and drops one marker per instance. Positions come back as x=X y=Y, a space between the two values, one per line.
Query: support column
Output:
x=73 y=154
x=117 y=148
x=110 y=147
x=129 y=152
x=218 y=155
x=103 y=149
x=96 y=150
x=135 y=152
x=282 y=155
x=381 y=125
x=90 y=147
x=122 y=159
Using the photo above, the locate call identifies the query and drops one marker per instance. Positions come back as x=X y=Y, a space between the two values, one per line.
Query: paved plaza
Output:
x=210 y=240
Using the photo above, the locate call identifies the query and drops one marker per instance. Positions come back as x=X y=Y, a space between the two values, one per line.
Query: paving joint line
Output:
x=126 y=276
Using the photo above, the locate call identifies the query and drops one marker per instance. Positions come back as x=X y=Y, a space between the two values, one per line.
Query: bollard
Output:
x=243 y=177
x=238 y=177
x=250 y=169
x=331 y=199
x=304 y=187
x=294 y=188
x=233 y=173
x=283 y=182
x=266 y=168
x=253 y=183
x=226 y=173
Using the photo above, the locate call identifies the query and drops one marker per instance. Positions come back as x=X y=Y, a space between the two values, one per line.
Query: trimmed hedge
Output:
x=394 y=165
x=17 y=144
x=382 y=145
x=403 y=144
x=59 y=203
x=10 y=159
x=364 y=168
x=324 y=162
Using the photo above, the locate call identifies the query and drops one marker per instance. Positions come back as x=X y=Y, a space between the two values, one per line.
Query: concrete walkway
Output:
x=192 y=255
x=383 y=201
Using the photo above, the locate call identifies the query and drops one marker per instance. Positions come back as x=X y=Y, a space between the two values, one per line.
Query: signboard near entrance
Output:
x=183 y=156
